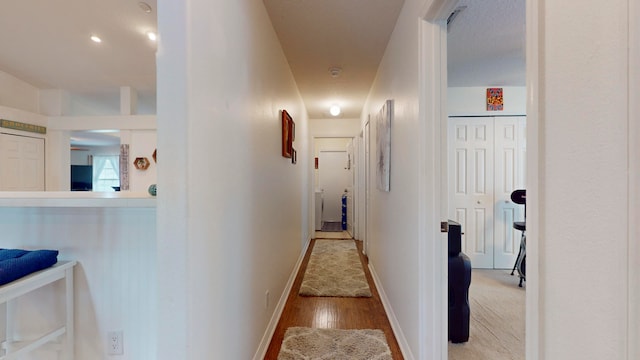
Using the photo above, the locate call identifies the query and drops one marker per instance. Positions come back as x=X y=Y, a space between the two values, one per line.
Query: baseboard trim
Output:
x=277 y=313
x=395 y=325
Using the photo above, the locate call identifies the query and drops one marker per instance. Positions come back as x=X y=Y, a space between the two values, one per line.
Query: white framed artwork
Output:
x=383 y=145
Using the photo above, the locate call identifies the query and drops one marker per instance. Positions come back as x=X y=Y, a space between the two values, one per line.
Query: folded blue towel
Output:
x=16 y=263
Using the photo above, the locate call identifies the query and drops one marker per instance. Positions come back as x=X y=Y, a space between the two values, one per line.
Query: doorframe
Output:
x=533 y=338
x=633 y=262
x=432 y=189
x=367 y=183
x=312 y=175
x=324 y=152
x=433 y=111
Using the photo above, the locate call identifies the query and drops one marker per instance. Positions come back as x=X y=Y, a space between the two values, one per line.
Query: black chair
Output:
x=459 y=282
x=520 y=197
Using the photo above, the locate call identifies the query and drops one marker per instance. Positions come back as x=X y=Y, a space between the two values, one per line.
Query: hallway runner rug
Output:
x=308 y=343
x=334 y=269
x=328 y=226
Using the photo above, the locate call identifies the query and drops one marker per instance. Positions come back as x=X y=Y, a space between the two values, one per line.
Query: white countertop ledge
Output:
x=119 y=199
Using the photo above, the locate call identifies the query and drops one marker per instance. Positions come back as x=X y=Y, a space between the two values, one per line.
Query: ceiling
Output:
x=46 y=43
x=486 y=44
x=347 y=34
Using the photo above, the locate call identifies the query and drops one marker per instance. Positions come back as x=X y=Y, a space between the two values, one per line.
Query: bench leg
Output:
x=69 y=337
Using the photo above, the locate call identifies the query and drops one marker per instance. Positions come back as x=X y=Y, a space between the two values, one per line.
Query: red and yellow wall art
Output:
x=495 y=101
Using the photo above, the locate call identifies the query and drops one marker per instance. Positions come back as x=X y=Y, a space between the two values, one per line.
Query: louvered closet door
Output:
x=471 y=181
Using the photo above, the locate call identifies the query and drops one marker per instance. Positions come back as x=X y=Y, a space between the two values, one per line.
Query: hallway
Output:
x=333 y=312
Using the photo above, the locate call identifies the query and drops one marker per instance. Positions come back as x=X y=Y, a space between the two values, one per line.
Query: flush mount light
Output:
x=334 y=110
x=152 y=36
x=96 y=39
x=145 y=7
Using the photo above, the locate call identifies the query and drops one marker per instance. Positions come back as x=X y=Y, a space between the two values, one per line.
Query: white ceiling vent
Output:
x=453 y=15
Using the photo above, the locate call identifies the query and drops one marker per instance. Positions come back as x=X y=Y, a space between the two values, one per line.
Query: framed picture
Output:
x=495 y=99
x=383 y=145
x=288 y=134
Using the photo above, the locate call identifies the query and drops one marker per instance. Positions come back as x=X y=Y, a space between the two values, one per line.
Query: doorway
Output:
x=485 y=161
x=334 y=179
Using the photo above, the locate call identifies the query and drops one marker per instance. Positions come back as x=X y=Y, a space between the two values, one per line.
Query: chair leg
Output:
x=521 y=262
x=515 y=265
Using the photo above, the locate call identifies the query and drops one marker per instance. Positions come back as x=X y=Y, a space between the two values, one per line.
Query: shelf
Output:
x=119 y=199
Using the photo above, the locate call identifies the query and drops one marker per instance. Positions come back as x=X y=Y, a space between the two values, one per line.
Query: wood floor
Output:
x=333 y=312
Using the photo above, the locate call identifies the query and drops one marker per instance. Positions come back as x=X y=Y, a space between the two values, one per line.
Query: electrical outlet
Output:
x=114 y=343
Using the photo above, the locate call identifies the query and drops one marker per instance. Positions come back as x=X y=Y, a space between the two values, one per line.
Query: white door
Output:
x=471 y=181
x=367 y=186
x=21 y=163
x=486 y=163
x=350 y=197
x=509 y=176
x=334 y=178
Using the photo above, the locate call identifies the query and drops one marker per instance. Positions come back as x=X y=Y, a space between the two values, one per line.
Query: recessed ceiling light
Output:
x=145 y=7
x=96 y=39
x=152 y=36
x=334 y=110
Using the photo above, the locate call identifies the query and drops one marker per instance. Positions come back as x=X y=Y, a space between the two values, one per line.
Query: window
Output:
x=106 y=172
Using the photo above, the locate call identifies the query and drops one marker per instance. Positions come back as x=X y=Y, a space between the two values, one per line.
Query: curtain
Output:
x=104 y=180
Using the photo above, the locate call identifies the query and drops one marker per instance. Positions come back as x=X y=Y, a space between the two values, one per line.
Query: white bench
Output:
x=63 y=270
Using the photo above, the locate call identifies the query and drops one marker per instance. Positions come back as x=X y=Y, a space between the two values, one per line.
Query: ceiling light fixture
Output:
x=334 y=110
x=96 y=39
x=335 y=71
x=145 y=7
x=152 y=36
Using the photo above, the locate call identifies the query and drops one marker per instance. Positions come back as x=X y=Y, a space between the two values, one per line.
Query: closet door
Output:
x=509 y=176
x=21 y=163
x=471 y=181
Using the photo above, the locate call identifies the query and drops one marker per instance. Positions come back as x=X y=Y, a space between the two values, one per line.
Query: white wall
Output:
x=393 y=239
x=232 y=212
x=468 y=101
x=142 y=143
x=334 y=127
x=115 y=280
x=583 y=181
x=15 y=93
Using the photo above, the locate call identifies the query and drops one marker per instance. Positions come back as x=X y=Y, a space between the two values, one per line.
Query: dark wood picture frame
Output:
x=288 y=134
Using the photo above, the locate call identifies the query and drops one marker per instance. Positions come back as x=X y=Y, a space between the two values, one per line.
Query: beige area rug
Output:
x=334 y=269
x=497 y=328
x=307 y=343
x=332 y=235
